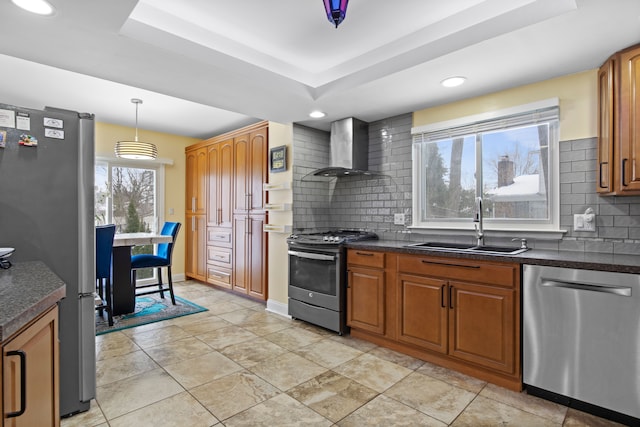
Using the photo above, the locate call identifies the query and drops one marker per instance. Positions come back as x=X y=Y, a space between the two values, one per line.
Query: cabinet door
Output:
x=258 y=170
x=196 y=238
x=422 y=312
x=240 y=261
x=482 y=325
x=39 y=344
x=366 y=299
x=241 y=174
x=220 y=175
x=196 y=164
x=256 y=248
x=604 y=178
x=629 y=119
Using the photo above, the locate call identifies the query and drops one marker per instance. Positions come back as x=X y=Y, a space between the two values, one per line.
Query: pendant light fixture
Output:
x=336 y=10
x=135 y=149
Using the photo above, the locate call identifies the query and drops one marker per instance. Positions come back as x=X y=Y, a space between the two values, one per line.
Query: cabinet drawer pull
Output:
x=601 y=180
x=424 y=261
x=442 y=296
x=450 y=296
x=624 y=172
x=23 y=382
x=364 y=254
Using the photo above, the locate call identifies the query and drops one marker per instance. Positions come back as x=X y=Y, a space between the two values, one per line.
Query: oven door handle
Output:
x=311 y=255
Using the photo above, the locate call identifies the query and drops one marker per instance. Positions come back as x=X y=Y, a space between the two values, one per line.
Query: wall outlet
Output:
x=398 y=219
x=584 y=222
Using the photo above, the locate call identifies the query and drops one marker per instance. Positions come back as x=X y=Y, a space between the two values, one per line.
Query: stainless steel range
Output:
x=317 y=276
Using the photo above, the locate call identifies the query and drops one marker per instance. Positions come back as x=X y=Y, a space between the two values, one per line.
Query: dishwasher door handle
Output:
x=616 y=290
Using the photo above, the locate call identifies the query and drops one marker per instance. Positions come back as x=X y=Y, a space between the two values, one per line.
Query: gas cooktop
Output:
x=332 y=237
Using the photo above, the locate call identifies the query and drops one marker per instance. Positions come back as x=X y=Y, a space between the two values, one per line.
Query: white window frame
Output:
x=549 y=229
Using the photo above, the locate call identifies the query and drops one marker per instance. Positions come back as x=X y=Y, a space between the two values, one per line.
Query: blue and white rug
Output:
x=149 y=309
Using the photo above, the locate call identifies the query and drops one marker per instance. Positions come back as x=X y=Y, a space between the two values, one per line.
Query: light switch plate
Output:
x=398 y=219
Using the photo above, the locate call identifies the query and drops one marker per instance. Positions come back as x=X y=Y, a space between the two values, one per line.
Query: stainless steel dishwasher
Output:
x=581 y=338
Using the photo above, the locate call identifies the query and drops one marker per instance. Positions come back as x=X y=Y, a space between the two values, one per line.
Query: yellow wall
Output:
x=578 y=104
x=169 y=147
x=280 y=134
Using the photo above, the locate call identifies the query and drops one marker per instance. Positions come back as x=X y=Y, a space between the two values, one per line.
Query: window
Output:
x=507 y=158
x=127 y=194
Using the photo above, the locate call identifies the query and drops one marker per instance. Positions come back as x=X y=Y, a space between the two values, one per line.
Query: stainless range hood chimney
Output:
x=349 y=149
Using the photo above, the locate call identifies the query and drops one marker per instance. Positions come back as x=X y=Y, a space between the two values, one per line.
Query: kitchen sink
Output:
x=467 y=248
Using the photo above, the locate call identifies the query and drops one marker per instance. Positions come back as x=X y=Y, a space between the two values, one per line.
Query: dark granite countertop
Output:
x=566 y=259
x=27 y=289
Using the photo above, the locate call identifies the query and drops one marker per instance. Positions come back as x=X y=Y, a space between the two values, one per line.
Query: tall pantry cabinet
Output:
x=232 y=253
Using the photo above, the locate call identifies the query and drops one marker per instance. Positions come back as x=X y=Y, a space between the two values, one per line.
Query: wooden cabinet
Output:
x=366 y=290
x=229 y=249
x=196 y=244
x=30 y=374
x=220 y=175
x=196 y=191
x=459 y=313
x=618 y=149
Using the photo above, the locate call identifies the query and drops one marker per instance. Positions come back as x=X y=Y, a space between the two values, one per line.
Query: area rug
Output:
x=149 y=309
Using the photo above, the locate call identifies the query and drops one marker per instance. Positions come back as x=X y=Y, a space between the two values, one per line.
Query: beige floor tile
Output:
x=328 y=353
x=281 y=411
x=332 y=395
x=199 y=370
x=246 y=316
x=228 y=396
x=224 y=337
x=457 y=379
x=127 y=395
x=204 y=325
x=266 y=327
x=91 y=418
x=114 y=344
x=577 y=418
x=249 y=353
x=487 y=412
x=373 y=372
x=151 y=338
x=178 y=351
x=397 y=358
x=287 y=370
x=430 y=396
x=313 y=328
x=383 y=411
x=181 y=410
x=189 y=319
x=124 y=366
x=293 y=338
x=217 y=306
x=358 y=344
x=535 y=405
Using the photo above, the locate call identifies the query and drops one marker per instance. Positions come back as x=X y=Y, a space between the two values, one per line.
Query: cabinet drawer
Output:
x=365 y=258
x=219 y=256
x=216 y=236
x=219 y=276
x=501 y=274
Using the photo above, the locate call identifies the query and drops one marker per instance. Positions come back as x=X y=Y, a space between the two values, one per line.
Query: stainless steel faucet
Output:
x=478 y=220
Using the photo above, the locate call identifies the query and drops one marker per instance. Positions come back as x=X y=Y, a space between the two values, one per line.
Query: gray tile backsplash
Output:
x=369 y=203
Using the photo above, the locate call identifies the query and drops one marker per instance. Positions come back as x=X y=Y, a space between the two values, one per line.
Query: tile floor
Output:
x=239 y=365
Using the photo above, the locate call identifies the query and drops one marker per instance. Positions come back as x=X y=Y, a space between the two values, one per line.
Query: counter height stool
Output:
x=161 y=259
x=104 y=250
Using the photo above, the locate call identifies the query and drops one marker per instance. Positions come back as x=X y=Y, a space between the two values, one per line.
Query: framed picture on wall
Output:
x=278 y=159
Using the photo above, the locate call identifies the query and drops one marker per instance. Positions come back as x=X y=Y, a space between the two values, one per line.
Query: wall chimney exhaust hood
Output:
x=348 y=150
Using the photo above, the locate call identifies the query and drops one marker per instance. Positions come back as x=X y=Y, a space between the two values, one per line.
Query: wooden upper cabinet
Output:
x=241 y=172
x=220 y=172
x=618 y=169
x=250 y=171
x=196 y=191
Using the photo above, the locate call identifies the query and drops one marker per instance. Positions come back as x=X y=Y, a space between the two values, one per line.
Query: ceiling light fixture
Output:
x=40 y=7
x=135 y=149
x=317 y=114
x=336 y=10
x=453 y=81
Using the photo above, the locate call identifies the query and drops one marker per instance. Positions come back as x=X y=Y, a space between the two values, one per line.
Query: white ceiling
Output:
x=205 y=67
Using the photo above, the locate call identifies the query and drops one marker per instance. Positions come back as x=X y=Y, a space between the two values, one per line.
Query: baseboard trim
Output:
x=277 y=307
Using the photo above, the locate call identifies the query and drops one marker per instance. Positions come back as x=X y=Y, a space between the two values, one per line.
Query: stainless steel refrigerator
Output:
x=46 y=213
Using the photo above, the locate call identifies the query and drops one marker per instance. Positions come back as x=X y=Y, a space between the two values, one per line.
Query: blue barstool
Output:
x=104 y=250
x=161 y=259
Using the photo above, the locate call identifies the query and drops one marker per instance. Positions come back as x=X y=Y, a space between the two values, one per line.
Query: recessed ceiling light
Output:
x=453 y=81
x=40 y=7
x=317 y=114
